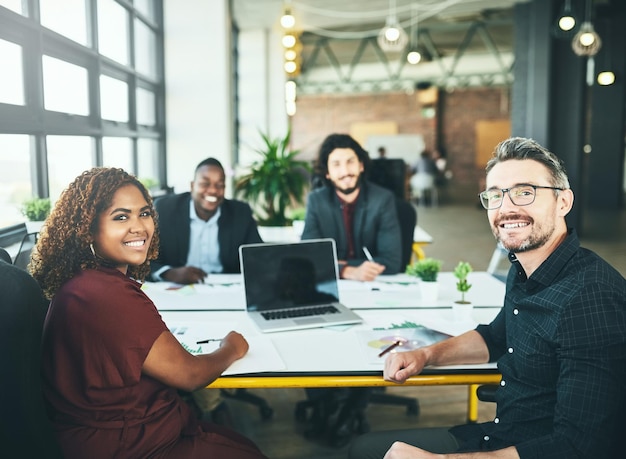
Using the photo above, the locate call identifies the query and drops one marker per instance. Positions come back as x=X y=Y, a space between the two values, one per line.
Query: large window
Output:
x=80 y=86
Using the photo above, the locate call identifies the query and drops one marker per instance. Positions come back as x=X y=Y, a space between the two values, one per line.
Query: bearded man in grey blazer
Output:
x=359 y=215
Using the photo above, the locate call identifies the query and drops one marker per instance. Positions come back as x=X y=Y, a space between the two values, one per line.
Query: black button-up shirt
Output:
x=560 y=344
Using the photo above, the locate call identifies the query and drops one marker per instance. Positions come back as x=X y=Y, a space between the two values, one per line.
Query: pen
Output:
x=368 y=255
x=204 y=341
x=390 y=348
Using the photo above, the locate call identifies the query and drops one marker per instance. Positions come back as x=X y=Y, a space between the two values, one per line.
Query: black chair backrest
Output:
x=4 y=255
x=25 y=430
x=26 y=247
x=390 y=174
x=407 y=218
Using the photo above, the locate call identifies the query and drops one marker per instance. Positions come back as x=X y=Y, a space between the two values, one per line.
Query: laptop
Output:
x=292 y=286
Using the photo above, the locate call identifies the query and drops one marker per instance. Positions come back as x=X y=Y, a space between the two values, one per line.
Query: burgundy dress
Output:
x=99 y=329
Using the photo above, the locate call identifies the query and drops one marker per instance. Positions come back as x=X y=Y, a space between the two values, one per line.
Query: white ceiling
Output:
x=343 y=25
x=333 y=15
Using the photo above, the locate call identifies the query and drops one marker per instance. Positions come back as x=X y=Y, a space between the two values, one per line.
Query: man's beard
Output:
x=347 y=191
x=537 y=238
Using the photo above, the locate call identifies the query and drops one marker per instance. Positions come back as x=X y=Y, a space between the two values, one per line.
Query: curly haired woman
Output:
x=111 y=368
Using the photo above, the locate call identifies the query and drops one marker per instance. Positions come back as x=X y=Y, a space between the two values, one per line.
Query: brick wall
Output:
x=318 y=116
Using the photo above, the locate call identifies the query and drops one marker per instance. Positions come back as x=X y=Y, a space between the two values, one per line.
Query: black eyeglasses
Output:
x=520 y=195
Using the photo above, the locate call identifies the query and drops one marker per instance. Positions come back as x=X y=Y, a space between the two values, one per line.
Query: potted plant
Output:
x=462 y=309
x=427 y=269
x=275 y=182
x=36 y=210
x=461 y=272
x=297 y=216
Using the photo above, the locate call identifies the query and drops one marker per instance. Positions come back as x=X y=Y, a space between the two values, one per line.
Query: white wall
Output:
x=261 y=90
x=197 y=77
x=198 y=93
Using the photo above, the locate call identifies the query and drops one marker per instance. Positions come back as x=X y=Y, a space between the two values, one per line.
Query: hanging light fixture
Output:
x=566 y=21
x=413 y=56
x=586 y=42
x=392 y=37
x=287 y=20
x=606 y=76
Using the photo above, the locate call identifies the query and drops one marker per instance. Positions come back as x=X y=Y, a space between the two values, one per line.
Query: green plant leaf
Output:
x=36 y=209
x=276 y=182
x=426 y=269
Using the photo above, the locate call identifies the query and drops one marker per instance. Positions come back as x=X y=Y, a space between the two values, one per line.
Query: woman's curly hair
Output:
x=63 y=248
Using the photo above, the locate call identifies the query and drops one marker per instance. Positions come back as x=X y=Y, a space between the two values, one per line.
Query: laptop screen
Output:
x=279 y=276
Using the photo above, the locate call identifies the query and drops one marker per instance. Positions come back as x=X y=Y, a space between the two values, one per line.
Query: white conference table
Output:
x=421 y=238
x=399 y=291
x=333 y=356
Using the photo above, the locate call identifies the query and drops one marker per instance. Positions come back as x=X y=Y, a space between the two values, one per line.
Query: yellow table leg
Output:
x=418 y=252
x=472 y=403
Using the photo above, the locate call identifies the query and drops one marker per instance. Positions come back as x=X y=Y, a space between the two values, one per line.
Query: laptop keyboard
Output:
x=299 y=312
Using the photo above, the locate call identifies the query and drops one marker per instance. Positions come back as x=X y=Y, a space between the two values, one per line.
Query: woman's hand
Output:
x=237 y=342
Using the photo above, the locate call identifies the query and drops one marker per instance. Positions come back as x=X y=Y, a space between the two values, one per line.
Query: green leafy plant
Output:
x=36 y=209
x=298 y=213
x=461 y=272
x=426 y=269
x=275 y=182
x=150 y=183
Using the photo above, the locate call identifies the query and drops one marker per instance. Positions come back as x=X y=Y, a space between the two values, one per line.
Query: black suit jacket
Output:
x=375 y=225
x=236 y=226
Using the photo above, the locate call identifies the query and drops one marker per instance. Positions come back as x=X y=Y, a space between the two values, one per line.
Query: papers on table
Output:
x=403 y=291
x=414 y=328
x=222 y=293
x=262 y=355
x=409 y=336
x=225 y=292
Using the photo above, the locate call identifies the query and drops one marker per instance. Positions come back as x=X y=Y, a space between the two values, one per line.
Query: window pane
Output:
x=145 y=107
x=145 y=8
x=16 y=186
x=11 y=76
x=148 y=161
x=113 y=31
x=145 y=49
x=68 y=157
x=67 y=17
x=118 y=152
x=113 y=99
x=13 y=5
x=64 y=87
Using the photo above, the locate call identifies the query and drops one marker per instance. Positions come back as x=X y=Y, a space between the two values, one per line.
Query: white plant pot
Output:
x=429 y=291
x=462 y=311
x=298 y=227
x=33 y=227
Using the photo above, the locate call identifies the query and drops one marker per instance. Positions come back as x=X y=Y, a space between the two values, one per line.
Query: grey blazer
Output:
x=375 y=225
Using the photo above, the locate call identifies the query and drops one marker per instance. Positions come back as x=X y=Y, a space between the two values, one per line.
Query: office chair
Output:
x=487 y=392
x=407 y=218
x=26 y=247
x=499 y=263
x=423 y=187
x=4 y=255
x=25 y=430
x=243 y=395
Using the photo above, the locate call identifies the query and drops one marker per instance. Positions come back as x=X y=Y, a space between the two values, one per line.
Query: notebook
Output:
x=293 y=285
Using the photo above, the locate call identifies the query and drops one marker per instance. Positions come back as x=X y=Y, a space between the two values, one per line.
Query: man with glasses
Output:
x=559 y=340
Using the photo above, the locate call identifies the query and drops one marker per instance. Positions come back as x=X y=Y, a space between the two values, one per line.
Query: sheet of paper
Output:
x=223 y=279
x=197 y=297
x=373 y=342
x=262 y=355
